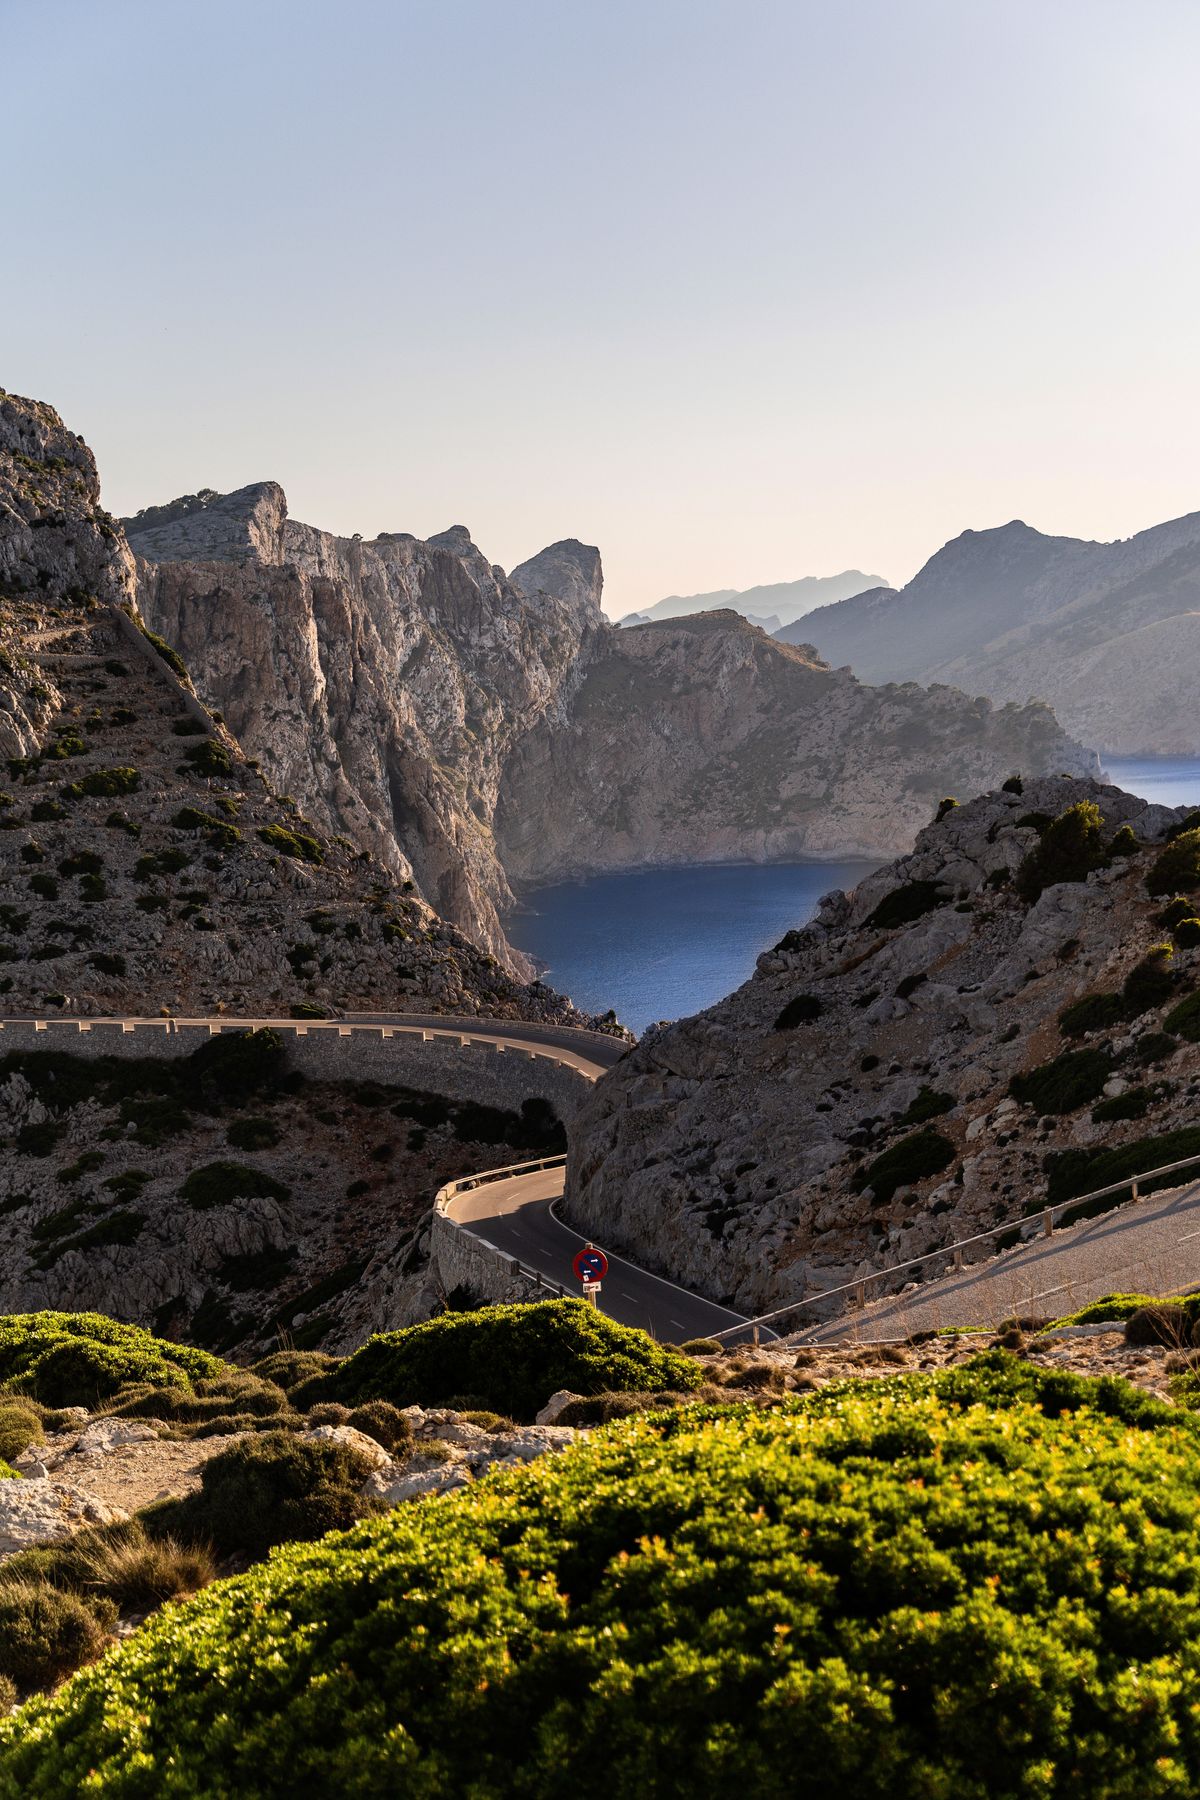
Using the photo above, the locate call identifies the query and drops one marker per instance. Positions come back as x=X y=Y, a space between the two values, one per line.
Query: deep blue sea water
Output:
x=663 y=943
x=1171 y=781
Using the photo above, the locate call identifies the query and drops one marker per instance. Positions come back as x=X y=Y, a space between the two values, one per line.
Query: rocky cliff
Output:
x=477 y=730
x=906 y=1070
x=145 y=862
x=1108 y=634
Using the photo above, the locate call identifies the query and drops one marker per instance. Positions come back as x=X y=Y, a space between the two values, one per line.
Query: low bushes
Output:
x=1073 y=1172
x=100 y=783
x=46 y=1634
x=221 y=1183
x=1184 y=1020
x=272 y=1489
x=921 y=1154
x=977 y=1584
x=1176 y=869
x=929 y=1104
x=20 y=1427
x=511 y=1358
x=904 y=904
x=1067 y=1083
x=79 y=1359
x=1069 y=849
x=297 y=844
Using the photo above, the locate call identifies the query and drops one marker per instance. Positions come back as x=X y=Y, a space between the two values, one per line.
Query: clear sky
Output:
x=739 y=290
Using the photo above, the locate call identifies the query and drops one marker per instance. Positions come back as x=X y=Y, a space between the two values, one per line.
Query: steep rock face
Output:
x=702 y=740
x=144 y=861
x=384 y=683
x=1109 y=634
x=733 y=1151
x=475 y=729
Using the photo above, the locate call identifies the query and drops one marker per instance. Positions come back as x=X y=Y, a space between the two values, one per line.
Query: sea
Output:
x=663 y=943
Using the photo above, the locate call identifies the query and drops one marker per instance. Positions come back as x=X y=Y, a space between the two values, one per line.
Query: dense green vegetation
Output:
x=1176 y=869
x=1065 y=1084
x=912 y=1159
x=77 y=1359
x=1073 y=1172
x=977 y=1584
x=509 y=1358
x=1069 y=849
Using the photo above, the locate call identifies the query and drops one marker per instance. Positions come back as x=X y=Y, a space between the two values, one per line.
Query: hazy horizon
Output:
x=740 y=294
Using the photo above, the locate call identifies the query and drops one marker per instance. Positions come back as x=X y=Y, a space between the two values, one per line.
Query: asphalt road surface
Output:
x=517 y=1217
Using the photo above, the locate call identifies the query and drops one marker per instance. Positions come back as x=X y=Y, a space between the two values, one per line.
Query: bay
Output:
x=1168 y=780
x=663 y=943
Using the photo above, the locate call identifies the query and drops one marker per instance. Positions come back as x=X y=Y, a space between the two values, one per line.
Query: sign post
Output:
x=590 y=1266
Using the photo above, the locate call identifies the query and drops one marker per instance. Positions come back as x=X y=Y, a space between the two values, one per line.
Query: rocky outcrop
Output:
x=145 y=861
x=737 y=1151
x=1108 y=634
x=477 y=730
x=701 y=740
x=383 y=684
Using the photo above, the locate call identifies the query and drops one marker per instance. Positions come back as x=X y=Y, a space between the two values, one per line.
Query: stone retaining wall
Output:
x=456 y=1065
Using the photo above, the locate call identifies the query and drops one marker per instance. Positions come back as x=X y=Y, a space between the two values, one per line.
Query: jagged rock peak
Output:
x=210 y=527
x=568 y=571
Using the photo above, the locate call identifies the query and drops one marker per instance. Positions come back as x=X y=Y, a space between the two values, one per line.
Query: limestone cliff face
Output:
x=477 y=730
x=145 y=864
x=732 y=1151
x=703 y=740
x=381 y=684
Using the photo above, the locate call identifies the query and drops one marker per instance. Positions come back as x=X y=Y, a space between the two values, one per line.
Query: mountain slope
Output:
x=740 y=1151
x=144 y=861
x=786 y=600
x=1109 y=634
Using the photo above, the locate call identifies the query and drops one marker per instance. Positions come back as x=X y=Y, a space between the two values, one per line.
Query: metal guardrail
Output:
x=1045 y=1219
x=467 y=1183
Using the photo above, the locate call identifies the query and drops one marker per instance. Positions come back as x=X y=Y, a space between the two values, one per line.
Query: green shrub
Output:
x=945 y=807
x=45 y=1635
x=1069 y=849
x=221 y=1183
x=1159 y=1324
x=190 y=818
x=1095 y=1012
x=1135 y=1103
x=381 y=1421
x=253 y=1134
x=929 y=1104
x=701 y=1347
x=1033 y=821
x=107 y=962
x=914 y=1158
x=801 y=1010
x=1014 y=785
x=104 y=783
x=1176 y=869
x=20 y=1426
x=1190 y=823
x=1174 y=911
x=1184 y=1020
x=77 y=1359
x=171 y=657
x=1065 y=1084
x=979 y=1584
x=1187 y=933
x=1150 y=982
x=297 y=844
x=512 y=1358
x=209 y=759
x=276 y=1488
x=904 y=904
x=1124 y=842
x=1073 y=1172
x=292 y=1369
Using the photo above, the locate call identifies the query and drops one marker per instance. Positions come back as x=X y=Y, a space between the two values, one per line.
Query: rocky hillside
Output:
x=145 y=862
x=478 y=730
x=1109 y=634
x=701 y=740
x=1006 y=1015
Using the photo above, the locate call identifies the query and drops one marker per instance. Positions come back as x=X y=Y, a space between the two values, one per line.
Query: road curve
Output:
x=517 y=1215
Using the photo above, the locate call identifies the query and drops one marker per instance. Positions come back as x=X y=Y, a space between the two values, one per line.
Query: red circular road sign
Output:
x=590 y=1264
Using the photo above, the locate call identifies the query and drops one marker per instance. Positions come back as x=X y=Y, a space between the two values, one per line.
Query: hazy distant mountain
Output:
x=1109 y=634
x=782 y=601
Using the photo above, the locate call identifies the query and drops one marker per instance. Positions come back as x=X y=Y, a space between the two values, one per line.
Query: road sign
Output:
x=590 y=1264
x=590 y=1289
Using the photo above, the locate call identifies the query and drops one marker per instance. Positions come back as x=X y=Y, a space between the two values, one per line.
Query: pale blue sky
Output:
x=739 y=290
